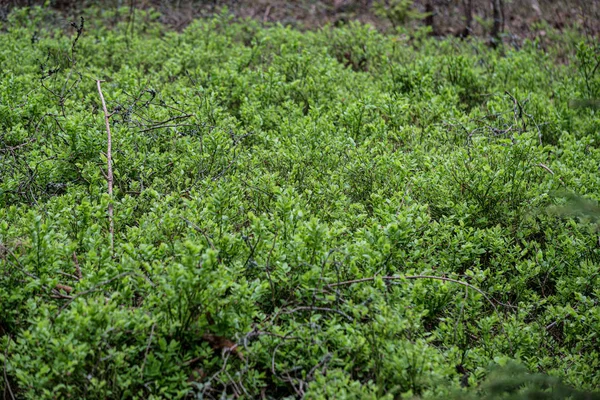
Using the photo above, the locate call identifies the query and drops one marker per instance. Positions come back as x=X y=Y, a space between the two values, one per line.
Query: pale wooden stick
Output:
x=109 y=176
x=544 y=166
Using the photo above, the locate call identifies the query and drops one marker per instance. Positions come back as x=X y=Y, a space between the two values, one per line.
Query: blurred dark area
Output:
x=494 y=19
x=515 y=382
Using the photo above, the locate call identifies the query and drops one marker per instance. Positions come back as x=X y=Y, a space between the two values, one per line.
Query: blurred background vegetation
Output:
x=509 y=20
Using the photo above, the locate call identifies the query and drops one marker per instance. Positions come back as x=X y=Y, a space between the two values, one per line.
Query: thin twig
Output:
x=95 y=288
x=267 y=269
x=551 y=172
x=109 y=171
x=59 y=295
x=164 y=126
x=550 y=326
x=273 y=358
x=225 y=357
x=439 y=278
x=323 y=362
x=146 y=352
x=202 y=231
x=17 y=263
x=79 y=29
x=13 y=148
x=12 y=396
x=290 y=380
x=55 y=290
x=461 y=314
x=518 y=111
x=327 y=309
x=67 y=275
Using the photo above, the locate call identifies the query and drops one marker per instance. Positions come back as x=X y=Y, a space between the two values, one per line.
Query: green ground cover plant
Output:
x=328 y=214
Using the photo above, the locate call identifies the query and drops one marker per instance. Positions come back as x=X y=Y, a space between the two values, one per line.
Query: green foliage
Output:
x=330 y=214
x=514 y=382
x=588 y=65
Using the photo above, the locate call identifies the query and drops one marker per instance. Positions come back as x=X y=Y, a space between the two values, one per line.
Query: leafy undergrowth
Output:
x=330 y=214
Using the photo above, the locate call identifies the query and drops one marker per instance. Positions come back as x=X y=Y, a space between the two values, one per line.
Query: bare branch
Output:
x=110 y=171
x=439 y=278
x=12 y=396
x=544 y=166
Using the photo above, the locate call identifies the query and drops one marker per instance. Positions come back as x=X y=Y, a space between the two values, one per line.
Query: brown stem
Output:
x=109 y=177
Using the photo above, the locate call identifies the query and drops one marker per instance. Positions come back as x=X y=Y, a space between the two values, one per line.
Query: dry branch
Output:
x=109 y=176
x=544 y=166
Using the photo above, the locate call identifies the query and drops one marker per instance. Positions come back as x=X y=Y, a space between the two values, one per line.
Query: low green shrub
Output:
x=328 y=214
